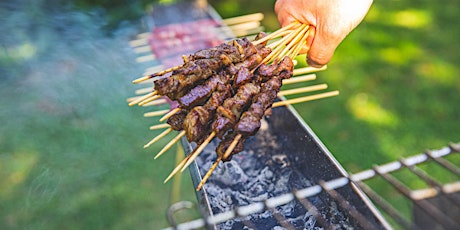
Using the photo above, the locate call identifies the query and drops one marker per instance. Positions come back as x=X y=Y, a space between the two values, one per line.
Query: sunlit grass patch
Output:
x=365 y=109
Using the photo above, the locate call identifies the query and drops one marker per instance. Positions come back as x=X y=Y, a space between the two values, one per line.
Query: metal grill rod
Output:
x=382 y=170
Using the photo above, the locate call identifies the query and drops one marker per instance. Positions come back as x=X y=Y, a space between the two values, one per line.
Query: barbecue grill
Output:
x=286 y=178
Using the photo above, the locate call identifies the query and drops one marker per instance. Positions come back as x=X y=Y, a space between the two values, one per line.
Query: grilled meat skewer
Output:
x=249 y=122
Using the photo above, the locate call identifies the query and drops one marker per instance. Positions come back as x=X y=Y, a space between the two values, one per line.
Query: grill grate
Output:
x=420 y=198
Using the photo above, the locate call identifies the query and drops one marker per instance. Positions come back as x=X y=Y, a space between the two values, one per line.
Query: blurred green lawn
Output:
x=71 y=149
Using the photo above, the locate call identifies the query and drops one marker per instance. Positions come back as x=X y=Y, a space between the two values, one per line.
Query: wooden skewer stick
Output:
x=156 y=113
x=142 y=98
x=276 y=33
x=298 y=79
x=167 y=70
x=138 y=42
x=168 y=115
x=232 y=146
x=159 y=126
x=305 y=99
x=143 y=90
x=156 y=102
x=303 y=42
x=146 y=58
x=302 y=90
x=208 y=174
x=275 y=52
x=198 y=150
x=149 y=100
x=177 y=168
x=308 y=69
x=170 y=144
x=244 y=18
x=294 y=42
x=164 y=133
x=295 y=51
x=130 y=99
x=275 y=42
x=141 y=79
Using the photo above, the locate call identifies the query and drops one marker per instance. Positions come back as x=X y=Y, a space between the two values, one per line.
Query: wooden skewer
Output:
x=295 y=51
x=232 y=146
x=159 y=126
x=142 y=49
x=208 y=174
x=153 y=70
x=305 y=99
x=275 y=43
x=303 y=42
x=244 y=18
x=170 y=144
x=156 y=113
x=245 y=26
x=275 y=52
x=244 y=33
x=146 y=58
x=149 y=100
x=141 y=79
x=142 y=98
x=168 y=115
x=294 y=41
x=276 y=33
x=298 y=79
x=143 y=90
x=308 y=69
x=164 y=133
x=130 y=99
x=177 y=168
x=143 y=35
x=198 y=150
x=138 y=42
x=156 y=102
x=168 y=70
x=302 y=90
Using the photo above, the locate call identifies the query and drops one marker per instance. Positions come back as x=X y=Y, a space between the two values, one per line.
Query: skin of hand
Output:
x=331 y=21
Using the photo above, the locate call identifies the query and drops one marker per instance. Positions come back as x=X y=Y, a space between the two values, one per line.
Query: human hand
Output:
x=331 y=21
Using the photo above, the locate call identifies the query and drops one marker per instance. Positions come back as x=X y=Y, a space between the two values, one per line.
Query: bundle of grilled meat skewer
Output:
x=224 y=92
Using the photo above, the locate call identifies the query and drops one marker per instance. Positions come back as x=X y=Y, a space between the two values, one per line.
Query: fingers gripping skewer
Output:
x=164 y=133
x=208 y=174
x=170 y=144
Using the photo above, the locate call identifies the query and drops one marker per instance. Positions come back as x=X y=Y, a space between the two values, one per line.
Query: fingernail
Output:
x=314 y=63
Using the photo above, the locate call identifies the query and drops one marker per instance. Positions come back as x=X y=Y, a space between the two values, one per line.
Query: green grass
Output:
x=71 y=150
